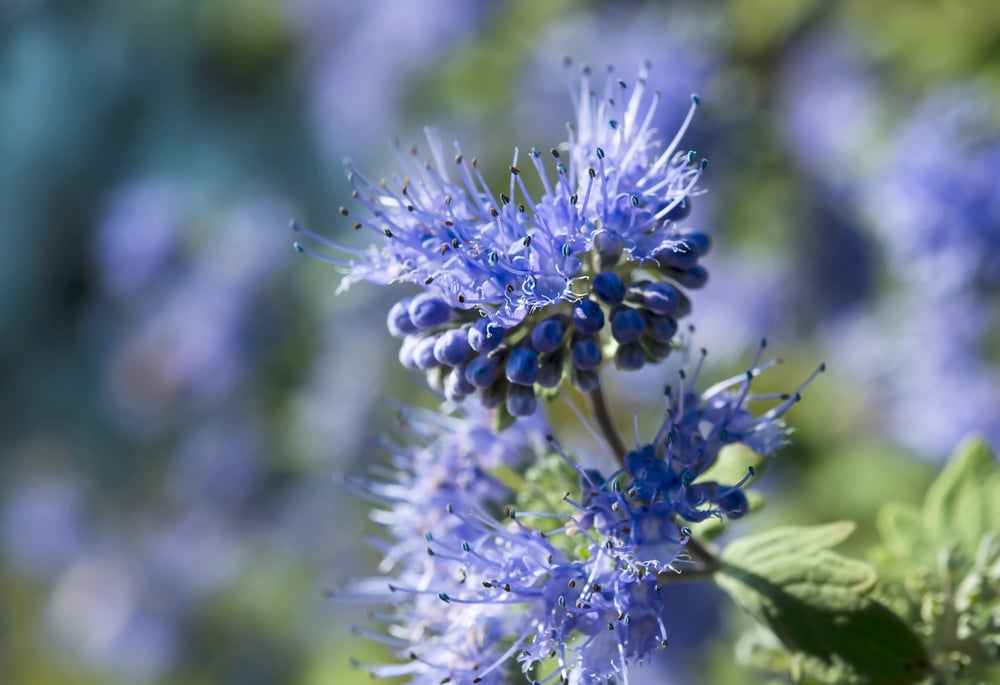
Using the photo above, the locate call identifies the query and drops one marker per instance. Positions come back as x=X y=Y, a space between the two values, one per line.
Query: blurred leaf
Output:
x=902 y=530
x=964 y=502
x=818 y=604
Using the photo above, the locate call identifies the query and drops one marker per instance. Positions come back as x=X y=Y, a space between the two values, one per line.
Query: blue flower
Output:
x=497 y=262
x=571 y=592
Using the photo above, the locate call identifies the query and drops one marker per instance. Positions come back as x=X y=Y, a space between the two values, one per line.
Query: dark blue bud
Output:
x=423 y=353
x=406 y=353
x=548 y=335
x=483 y=337
x=521 y=400
x=428 y=310
x=680 y=255
x=494 y=395
x=452 y=347
x=660 y=328
x=588 y=317
x=630 y=357
x=694 y=278
x=482 y=371
x=456 y=386
x=700 y=242
x=550 y=369
x=522 y=366
x=585 y=381
x=735 y=504
x=586 y=353
x=627 y=325
x=608 y=286
x=661 y=298
x=398 y=321
x=680 y=210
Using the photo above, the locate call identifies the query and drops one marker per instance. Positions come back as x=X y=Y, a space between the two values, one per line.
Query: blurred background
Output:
x=181 y=394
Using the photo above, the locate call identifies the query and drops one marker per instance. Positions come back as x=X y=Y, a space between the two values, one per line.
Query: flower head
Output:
x=571 y=590
x=599 y=244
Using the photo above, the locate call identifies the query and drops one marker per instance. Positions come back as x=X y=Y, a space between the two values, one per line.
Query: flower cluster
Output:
x=573 y=592
x=520 y=290
x=485 y=572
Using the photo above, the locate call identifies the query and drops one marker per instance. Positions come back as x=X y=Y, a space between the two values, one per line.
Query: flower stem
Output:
x=607 y=427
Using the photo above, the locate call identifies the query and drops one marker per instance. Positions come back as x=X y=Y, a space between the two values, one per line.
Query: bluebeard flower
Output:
x=496 y=265
x=572 y=592
x=935 y=202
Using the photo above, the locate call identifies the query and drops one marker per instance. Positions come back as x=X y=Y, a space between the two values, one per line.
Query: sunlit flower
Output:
x=598 y=244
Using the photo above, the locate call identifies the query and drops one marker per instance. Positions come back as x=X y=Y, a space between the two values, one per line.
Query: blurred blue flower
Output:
x=829 y=101
x=398 y=39
x=191 y=330
x=138 y=235
x=935 y=201
x=44 y=524
x=928 y=381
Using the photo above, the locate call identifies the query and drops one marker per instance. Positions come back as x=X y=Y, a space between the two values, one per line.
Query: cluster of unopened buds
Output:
x=521 y=296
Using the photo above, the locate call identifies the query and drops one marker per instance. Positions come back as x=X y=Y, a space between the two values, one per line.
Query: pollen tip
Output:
x=696 y=99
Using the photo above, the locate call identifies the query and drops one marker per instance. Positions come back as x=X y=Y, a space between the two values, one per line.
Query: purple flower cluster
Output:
x=573 y=592
x=518 y=286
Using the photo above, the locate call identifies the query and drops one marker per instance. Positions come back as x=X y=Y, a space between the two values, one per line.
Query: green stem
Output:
x=605 y=424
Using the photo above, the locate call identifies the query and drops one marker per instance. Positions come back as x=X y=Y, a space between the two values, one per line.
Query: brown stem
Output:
x=603 y=416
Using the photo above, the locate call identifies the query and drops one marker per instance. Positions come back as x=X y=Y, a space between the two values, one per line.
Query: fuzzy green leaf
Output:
x=818 y=604
x=963 y=504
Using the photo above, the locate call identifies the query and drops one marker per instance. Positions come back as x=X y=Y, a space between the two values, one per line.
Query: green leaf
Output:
x=904 y=539
x=503 y=419
x=818 y=604
x=963 y=504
